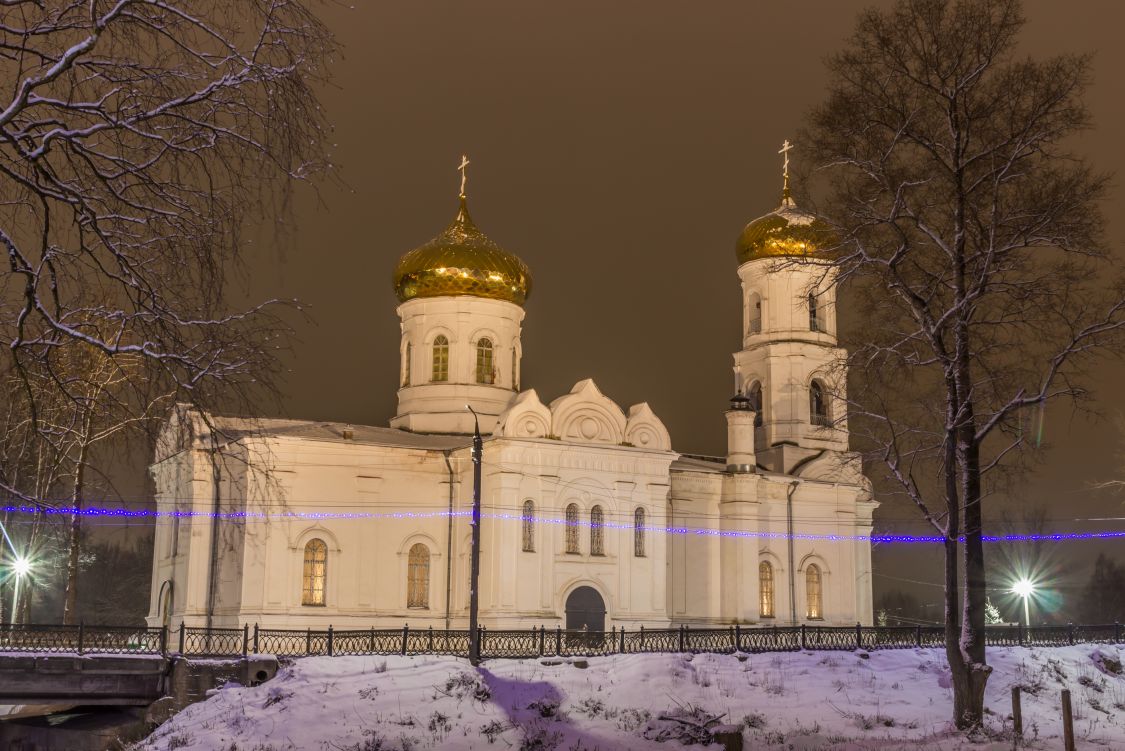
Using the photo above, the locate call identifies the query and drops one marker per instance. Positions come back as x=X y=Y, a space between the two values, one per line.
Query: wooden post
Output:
x=1068 y=721
x=1017 y=714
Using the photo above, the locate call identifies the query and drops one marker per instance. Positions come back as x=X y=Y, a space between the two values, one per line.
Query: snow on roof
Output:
x=235 y=428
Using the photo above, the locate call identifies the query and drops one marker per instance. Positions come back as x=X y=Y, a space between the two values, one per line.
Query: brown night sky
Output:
x=618 y=148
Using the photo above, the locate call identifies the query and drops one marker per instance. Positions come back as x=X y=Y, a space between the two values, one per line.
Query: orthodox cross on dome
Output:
x=463 y=167
x=786 y=147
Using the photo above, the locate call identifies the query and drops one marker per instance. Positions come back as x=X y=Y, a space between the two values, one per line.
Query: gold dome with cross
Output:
x=462 y=260
x=785 y=231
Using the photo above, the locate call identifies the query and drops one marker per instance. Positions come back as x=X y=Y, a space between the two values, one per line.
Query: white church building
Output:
x=590 y=517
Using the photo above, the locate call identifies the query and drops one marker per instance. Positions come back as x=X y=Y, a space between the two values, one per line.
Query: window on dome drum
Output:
x=528 y=527
x=315 y=572
x=597 y=534
x=818 y=405
x=572 y=528
x=765 y=589
x=485 y=373
x=755 y=396
x=418 y=577
x=814 y=602
x=755 y=314
x=406 y=365
x=515 y=371
x=815 y=324
x=639 y=533
x=441 y=359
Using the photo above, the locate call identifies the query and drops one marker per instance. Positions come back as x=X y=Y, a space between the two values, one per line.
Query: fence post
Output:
x=308 y=641
x=803 y=642
x=163 y=641
x=480 y=639
x=1019 y=632
x=1068 y=721
x=858 y=636
x=737 y=638
x=1116 y=633
x=430 y=641
x=245 y=638
x=1017 y=714
x=255 y=638
x=372 y=644
x=405 y=636
x=542 y=638
x=182 y=637
x=682 y=627
x=918 y=636
x=81 y=629
x=1070 y=633
x=330 y=640
x=558 y=641
x=622 y=650
x=642 y=638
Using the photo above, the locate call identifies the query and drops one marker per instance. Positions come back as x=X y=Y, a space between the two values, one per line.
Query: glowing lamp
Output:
x=22 y=566
x=1023 y=588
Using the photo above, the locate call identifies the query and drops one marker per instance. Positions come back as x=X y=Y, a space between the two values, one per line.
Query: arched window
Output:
x=418 y=577
x=755 y=396
x=818 y=404
x=755 y=309
x=765 y=589
x=515 y=370
x=639 y=533
x=528 y=527
x=315 y=572
x=814 y=600
x=815 y=323
x=572 y=528
x=441 y=359
x=406 y=365
x=485 y=373
x=597 y=535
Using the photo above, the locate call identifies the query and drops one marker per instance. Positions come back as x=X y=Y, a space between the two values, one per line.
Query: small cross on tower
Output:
x=464 y=175
x=786 y=147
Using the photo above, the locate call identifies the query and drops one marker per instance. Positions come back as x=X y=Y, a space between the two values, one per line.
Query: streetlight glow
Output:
x=22 y=567
x=1023 y=588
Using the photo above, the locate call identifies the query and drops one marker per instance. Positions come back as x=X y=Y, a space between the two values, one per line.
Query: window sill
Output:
x=313 y=605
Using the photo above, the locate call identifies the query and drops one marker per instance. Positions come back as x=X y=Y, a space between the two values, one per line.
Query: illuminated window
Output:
x=814 y=601
x=441 y=359
x=597 y=536
x=814 y=317
x=639 y=533
x=765 y=589
x=755 y=396
x=818 y=404
x=528 y=527
x=406 y=365
x=418 y=577
x=485 y=373
x=572 y=528
x=315 y=572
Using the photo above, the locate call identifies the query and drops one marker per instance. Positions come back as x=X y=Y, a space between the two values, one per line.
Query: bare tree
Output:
x=135 y=138
x=975 y=240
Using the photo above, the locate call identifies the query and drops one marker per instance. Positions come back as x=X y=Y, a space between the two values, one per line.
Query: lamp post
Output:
x=21 y=567
x=474 y=569
x=1024 y=589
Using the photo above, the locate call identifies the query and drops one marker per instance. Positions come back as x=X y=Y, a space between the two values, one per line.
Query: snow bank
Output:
x=807 y=700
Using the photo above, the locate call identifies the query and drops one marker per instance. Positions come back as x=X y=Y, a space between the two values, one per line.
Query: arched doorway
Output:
x=585 y=611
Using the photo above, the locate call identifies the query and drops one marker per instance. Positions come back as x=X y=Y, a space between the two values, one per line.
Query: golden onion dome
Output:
x=787 y=231
x=462 y=260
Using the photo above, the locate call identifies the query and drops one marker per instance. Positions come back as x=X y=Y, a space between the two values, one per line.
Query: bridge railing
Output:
x=516 y=643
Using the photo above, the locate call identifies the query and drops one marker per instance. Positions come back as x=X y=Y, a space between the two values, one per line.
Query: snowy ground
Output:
x=808 y=700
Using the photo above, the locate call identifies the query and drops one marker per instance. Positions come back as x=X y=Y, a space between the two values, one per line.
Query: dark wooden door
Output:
x=585 y=611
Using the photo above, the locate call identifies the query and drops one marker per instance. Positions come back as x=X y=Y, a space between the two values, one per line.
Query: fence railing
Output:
x=516 y=643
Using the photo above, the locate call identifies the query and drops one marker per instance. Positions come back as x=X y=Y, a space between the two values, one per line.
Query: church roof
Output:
x=317 y=430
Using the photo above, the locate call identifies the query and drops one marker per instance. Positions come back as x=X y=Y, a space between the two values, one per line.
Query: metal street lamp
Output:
x=1024 y=588
x=474 y=577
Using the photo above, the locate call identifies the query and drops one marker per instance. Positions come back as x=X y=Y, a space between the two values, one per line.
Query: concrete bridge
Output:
x=91 y=679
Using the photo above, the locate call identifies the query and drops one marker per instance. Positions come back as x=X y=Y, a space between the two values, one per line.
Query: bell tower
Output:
x=462 y=299
x=790 y=366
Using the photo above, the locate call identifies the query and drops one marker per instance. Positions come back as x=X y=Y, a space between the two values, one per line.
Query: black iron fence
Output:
x=534 y=642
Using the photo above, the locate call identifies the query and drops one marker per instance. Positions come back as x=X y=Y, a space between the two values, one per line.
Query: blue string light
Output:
x=882 y=539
